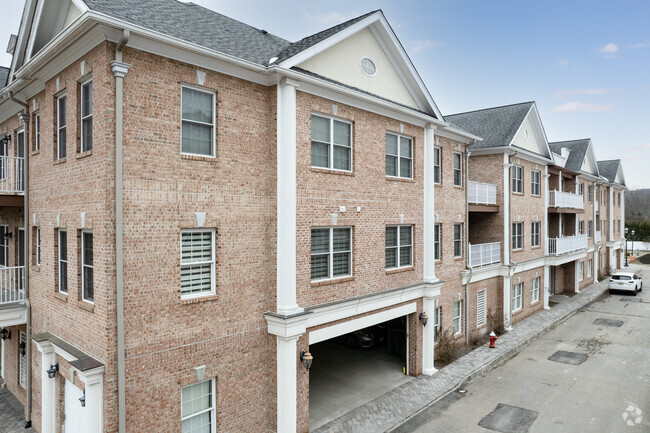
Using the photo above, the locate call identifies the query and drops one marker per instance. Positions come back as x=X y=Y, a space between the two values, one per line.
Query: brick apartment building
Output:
x=190 y=205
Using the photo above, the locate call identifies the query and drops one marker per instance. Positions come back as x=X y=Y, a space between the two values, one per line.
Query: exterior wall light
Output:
x=306 y=359
x=424 y=318
x=8 y=235
x=51 y=373
x=5 y=139
x=5 y=334
x=82 y=399
x=21 y=348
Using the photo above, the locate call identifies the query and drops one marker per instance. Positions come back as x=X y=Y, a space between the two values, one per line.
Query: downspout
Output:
x=467 y=260
x=119 y=70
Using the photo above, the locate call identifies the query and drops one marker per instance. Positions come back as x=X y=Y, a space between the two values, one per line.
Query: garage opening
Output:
x=354 y=368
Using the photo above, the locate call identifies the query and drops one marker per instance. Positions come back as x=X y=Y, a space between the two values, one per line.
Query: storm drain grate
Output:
x=573 y=358
x=509 y=419
x=608 y=322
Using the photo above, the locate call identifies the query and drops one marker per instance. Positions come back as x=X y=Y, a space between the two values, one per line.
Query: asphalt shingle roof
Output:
x=497 y=126
x=4 y=73
x=196 y=24
x=609 y=168
x=578 y=152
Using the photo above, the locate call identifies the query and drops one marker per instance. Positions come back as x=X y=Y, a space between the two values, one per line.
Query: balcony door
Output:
x=551 y=280
x=20 y=260
x=20 y=165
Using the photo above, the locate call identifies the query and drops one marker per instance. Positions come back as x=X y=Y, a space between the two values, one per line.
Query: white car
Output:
x=628 y=281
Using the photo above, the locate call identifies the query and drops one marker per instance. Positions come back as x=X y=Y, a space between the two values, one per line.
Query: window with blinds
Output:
x=331 y=253
x=197 y=263
x=399 y=246
x=480 y=308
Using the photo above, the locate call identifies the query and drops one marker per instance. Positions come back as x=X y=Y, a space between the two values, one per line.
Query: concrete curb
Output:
x=596 y=291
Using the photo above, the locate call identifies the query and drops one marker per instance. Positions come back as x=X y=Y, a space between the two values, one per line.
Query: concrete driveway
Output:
x=597 y=380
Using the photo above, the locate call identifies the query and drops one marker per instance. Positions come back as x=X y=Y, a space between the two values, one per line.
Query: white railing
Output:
x=598 y=237
x=484 y=254
x=482 y=193
x=565 y=200
x=557 y=246
x=12 y=284
x=12 y=174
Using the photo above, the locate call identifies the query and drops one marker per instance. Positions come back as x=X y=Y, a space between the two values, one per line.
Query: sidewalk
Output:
x=389 y=411
x=11 y=414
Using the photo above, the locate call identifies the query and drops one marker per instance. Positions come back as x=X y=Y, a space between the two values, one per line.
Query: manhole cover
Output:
x=608 y=322
x=509 y=419
x=565 y=357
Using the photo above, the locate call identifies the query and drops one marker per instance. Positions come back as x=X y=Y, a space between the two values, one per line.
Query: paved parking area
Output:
x=11 y=414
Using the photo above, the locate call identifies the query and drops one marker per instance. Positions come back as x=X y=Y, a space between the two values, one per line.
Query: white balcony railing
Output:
x=12 y=174
x=12 y=284
x=598 y=237
x=567 y=244
x=565 y=200
x=484 y=254
x=481 y=193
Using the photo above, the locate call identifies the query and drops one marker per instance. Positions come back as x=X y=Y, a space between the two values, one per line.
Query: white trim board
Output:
x=352 y=325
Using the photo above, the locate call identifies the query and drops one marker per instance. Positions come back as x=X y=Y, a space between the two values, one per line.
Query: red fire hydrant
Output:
x=493 y=340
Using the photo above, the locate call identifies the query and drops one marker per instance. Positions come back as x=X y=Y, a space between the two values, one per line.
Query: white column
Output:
x=506 y=208
x=547 y=284
x=287 y=395
x=576 y=284
x=429 y=208
x=286 y=197
x=610 y=223
x=94 y=416
x=48 y=388
x=622 y=234
x=507 y=314
x=429 y=307
x=545 y=237
x=594 y=267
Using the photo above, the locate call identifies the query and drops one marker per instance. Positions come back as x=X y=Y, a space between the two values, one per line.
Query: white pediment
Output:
x=531 y=135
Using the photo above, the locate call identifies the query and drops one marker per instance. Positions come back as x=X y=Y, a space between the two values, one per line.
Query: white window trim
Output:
x=213 y=262
x=62 y=261
x=37 y=131
x=581 y=271
x=212 y=408
x=590 y=228
x=534 y=290
x=399 y=247
x=520 y=235
x=373 y=64
x=400 y=157
x=330 y=145
x=581 y=227
x=459 y=317
x=330 y=253
x=84 y=265
x=459 y=240
x=38 y=246
x=437 y=151
x=438 y=243
x=458 y=169
x=517 y=297
x=481 y=321
x=82 y=84
x=589 y=268
x=533 y=225
x=538 y=174
x=517 y=180
x=436 y=325
x=5 y=229
x=214 y=120
x=59 y=127
x=22 y=362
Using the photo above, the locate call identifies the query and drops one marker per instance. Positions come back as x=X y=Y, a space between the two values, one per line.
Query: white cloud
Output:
x=609 y=50
x=584 y=91
x=329 y=18
x=570 y=107
x=640 y=45
x=424 y=45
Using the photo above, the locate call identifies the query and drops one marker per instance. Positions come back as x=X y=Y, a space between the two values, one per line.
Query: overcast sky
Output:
x=585 y=62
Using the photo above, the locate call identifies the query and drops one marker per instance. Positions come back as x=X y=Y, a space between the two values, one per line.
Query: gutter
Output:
x=119 y=70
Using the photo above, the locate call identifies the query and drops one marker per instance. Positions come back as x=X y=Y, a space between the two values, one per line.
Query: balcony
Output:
x=567 y=244
x=565 y=202
x=12 y=183
x=12 y=296
x=482 y=197
x=484 y=254
x=598 y=237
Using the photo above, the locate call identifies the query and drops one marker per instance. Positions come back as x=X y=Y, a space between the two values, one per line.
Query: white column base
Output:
x=287 y=393
x=94 y=380
x=428 y=306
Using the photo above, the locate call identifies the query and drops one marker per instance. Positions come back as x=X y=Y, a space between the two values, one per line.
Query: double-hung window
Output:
x=23 y=362
x=331 y=253
x=63 y=261
x=38 y=247
x=399 y=156
x=198 y=273
x=458 y=169
x=517 y=290
x=481 y=313
x=61 y=126
x=87 y=116
x=535 y=177
x=399 y=246
x=331 y=143
x=517 y=179
x=590 y=224
x=87 y=285
x=534 y=233
x=436 y=324
x=436 y=164
x=37 y=132
x=436 y=241
x=534 y=290
x=517 y=236
x=4 y=246
x=581 y=271
x=458 y=310
x=197 y=408
x=581 y=189
x=589 y=267
x=197 y=122
x=458 y=240
x=590 y=189
x=581 y=227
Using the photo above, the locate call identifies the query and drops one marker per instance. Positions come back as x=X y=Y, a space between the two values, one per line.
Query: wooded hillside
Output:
x=637 y=205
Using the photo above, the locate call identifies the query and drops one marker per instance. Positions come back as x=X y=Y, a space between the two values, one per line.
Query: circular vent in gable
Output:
x=368 y=67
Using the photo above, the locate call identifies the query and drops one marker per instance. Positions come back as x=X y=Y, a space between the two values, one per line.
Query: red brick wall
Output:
x=528 y=208
x=528 y=308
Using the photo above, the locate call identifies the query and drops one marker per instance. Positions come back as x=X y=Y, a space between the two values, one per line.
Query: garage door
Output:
x=74 y=413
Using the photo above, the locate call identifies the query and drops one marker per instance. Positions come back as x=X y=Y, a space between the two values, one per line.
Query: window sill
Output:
x=331 y=171
x=458 y=259
x=34 y=152
x=35 y=268
x=84 y=154
x=399 y=270
x=329 y=281
x=517 y=193
x=200 y=299
x=517 y=311
x=536 y=247
x=437 y=184
x=534 y=302
x=87 y=306
x=61 y=296
x=58 y=161
x=459 y=187
x=400 y=179
x=198 y=157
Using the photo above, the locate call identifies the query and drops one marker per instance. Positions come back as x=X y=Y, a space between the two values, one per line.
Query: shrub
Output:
x=447 y=349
